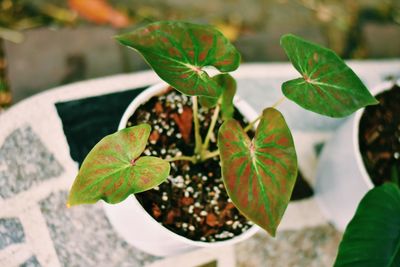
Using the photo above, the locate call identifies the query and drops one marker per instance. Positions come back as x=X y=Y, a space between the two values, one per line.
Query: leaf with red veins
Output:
x=259 y=174
x=179 y=51
x=327 y=86
x=113 y=169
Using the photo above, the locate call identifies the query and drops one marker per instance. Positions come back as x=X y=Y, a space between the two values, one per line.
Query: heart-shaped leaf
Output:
x=113 y=169
x=328 y=86
x=178 y=51
x=372 y=238
x=259 y=174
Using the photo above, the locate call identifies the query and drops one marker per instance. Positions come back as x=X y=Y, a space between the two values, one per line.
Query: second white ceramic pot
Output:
x=342 y=179
x=141 y=230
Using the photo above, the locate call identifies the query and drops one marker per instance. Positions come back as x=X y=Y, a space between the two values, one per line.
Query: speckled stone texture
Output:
x=83 y=236
x=24 y=162
x=31 y=262
x=310 y=247
x=11 y=232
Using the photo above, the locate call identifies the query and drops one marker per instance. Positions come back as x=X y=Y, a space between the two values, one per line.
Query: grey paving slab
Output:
x=31 y=262
x=309 y=247
x=82 y=236
x=11 y=232
x=24 y=162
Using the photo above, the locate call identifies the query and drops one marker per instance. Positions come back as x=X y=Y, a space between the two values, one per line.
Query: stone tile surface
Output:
x=82 y=236
x=31 y=262
x=310 y=247
x=11 y=232
x=25 y=162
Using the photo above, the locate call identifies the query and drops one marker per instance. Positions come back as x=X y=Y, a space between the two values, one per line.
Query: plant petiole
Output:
x=211 y=128
x=197 y=136
x=277 y=103
x=208 y=154
x=251 y=124
x=187 y=158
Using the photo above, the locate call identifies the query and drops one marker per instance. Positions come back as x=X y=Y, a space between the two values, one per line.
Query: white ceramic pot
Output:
x=342 y=179
x=141 y=230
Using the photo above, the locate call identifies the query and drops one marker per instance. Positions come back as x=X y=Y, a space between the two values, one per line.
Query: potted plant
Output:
x=364 y=153
x=258 y=173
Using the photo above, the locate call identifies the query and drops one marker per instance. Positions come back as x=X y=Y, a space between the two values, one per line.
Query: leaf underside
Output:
x=372 y=238
x=113 y=169
x=178 y=51
x=228 y=86
x=259 y=174
x=328 y=86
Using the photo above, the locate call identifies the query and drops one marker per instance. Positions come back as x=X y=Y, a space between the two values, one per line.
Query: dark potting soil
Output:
x=193 y=201
x=379 y=137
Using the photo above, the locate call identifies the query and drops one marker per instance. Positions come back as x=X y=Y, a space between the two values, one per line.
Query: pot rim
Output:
x=159 y=89
x=384 y=86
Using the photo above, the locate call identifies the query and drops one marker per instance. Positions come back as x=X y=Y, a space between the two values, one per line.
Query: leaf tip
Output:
x=286 y=37
x=70 y=202
x=271 y=229
x=121 y=38
x=375 y=101
x=272 y=232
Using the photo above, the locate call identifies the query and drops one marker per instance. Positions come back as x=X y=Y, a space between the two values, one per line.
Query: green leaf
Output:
x=328 y=86
x=113 y=169
x=229 y=84
x=394 y=175
x=372 y=238
x=259 y=174
x=178 y=51
x=208 y=102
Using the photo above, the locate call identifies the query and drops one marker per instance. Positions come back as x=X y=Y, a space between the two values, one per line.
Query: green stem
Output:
x=197 y=136
x=211 y=128
x=209 y=154
x=187 y=158
x=251 y=124
x=277 y=103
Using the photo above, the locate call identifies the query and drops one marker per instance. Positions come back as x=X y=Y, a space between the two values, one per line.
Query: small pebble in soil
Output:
x=203 y=213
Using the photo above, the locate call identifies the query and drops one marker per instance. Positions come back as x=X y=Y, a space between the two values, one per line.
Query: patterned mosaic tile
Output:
x=310 y=247
x=83 y=236
x=11 y=232
x=24 y=162
x=31 y=262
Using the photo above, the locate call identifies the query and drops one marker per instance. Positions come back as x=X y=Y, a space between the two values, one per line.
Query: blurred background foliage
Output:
x=355 y=29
